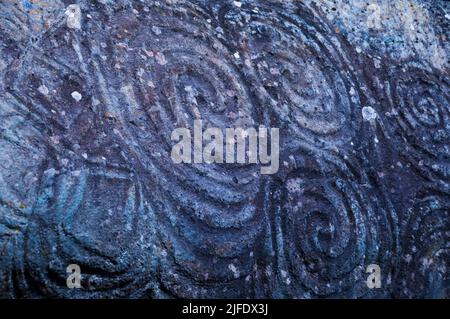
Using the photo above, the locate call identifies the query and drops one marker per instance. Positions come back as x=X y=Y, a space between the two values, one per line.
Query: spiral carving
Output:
x=298 y=71
x=332 y=225
x=426 y=263
x=419 y=107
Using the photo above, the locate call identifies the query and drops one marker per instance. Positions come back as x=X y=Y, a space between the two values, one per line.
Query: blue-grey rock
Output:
x=90 y=92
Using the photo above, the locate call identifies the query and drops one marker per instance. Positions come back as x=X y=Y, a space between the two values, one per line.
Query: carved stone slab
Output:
x=90 y=92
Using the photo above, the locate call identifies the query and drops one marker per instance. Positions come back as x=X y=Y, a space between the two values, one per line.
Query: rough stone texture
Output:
x=359 y=90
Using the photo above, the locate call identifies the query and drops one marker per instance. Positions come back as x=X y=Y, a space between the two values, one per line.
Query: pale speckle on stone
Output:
x=377 y=63
x=234 y=270
x=156 y=30
x=73 y=13
x=368 y=113
x=54 y=139
x=76 y=96
x=43 y=89
x=76 y=173
x=160 y=58
x=237 y=4
x=95 y=102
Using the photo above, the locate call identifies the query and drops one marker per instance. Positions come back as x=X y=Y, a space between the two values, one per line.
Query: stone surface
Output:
x=89 y=94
